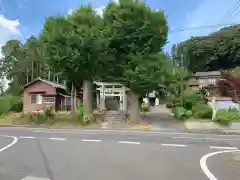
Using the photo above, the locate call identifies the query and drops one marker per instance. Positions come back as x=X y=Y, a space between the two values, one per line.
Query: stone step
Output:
x=114 y=116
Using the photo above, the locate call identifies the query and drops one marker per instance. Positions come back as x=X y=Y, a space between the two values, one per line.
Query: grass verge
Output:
x=61 y=120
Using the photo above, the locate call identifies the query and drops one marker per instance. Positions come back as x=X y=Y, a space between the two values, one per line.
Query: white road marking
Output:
x=63 y=132
x=174 y=145
x=15 y=140
x=26 y=137
x=91 y=140
x=221 y=147
x=171 y=132
x=202 y=138
x=58 y=139
x=34 y=178
x=155 y=132
x=203 y=163
x=128 y=142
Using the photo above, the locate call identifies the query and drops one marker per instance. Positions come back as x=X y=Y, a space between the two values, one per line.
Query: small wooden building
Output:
x=42 y=93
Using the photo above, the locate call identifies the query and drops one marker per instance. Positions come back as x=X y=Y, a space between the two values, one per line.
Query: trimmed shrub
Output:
x=144 y=107
x=80 y=110
x=225 y=117
x=190 y=98
x=37 y=118
x=5 y=105
x=48 y=113
x=181 y=113
x=175 y=102
x=88 y=119
x=10 y=103
x=17 y=106
x=202 y=111
x=169 y=105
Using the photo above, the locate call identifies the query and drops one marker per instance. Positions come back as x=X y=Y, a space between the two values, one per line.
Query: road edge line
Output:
x=203 y=162
x=15 y=140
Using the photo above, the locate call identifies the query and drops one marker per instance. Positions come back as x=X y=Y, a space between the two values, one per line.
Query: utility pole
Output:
x=181 y=86
x=32 y=71
x=49 y=75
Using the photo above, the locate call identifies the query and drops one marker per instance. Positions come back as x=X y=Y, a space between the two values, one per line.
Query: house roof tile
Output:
x=53 y=84
x=209 y=73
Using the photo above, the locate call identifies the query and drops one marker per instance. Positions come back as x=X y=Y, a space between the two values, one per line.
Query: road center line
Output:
x=174 y=145
x=15 y=140
x=26 y=137
x=205 y=138
x=58 y=139
x=128 y=142
x=91 y=140
x=63 y=132
x=203 y=163
x=221 y=147
x=34 y=178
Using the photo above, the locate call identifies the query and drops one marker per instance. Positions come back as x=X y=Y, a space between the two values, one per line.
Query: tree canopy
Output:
x=21 y=63
x=136 y=33
x=124 y=45
x=219 y=50
x=73 y=45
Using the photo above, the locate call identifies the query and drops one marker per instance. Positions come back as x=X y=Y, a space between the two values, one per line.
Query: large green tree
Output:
x=21 y=63
x=137 y=33
x=73 y=45
x=12 y=65
x=219 y=50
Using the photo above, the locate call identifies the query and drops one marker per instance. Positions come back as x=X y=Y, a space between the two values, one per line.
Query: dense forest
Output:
x=219 y=50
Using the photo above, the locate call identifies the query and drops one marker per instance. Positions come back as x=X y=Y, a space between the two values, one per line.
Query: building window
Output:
x=48 y=99
x=211 y=81
x=67 y=101
x=33 y=98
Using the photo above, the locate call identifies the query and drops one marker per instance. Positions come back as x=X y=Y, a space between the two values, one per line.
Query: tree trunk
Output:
x=87 y=97
x=134 y=109
x=73 y=98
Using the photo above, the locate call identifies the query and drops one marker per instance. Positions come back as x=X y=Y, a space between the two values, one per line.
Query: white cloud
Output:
x=9 y=29
x=100 y=10
x=70 y=11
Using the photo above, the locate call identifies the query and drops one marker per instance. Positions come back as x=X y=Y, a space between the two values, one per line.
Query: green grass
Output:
x=61 y=120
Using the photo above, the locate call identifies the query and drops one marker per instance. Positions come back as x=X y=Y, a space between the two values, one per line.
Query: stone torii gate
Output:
x=111 y=89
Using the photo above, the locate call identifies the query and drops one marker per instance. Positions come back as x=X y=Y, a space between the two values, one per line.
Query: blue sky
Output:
x=21 y=18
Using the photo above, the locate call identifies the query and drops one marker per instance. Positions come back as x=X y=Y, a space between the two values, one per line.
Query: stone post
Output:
x=156 y=101
x=145 y=100
x=102 y=98
x=98 y=101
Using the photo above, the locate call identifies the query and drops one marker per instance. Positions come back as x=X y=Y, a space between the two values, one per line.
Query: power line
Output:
x=198 y=27
x=229 y=14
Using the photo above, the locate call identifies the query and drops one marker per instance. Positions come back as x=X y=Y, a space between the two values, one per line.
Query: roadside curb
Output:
x=10 y=125
x=204 y=131
x=139 y=128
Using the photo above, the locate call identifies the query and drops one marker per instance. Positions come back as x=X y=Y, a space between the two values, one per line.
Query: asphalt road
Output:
x=43 y=154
